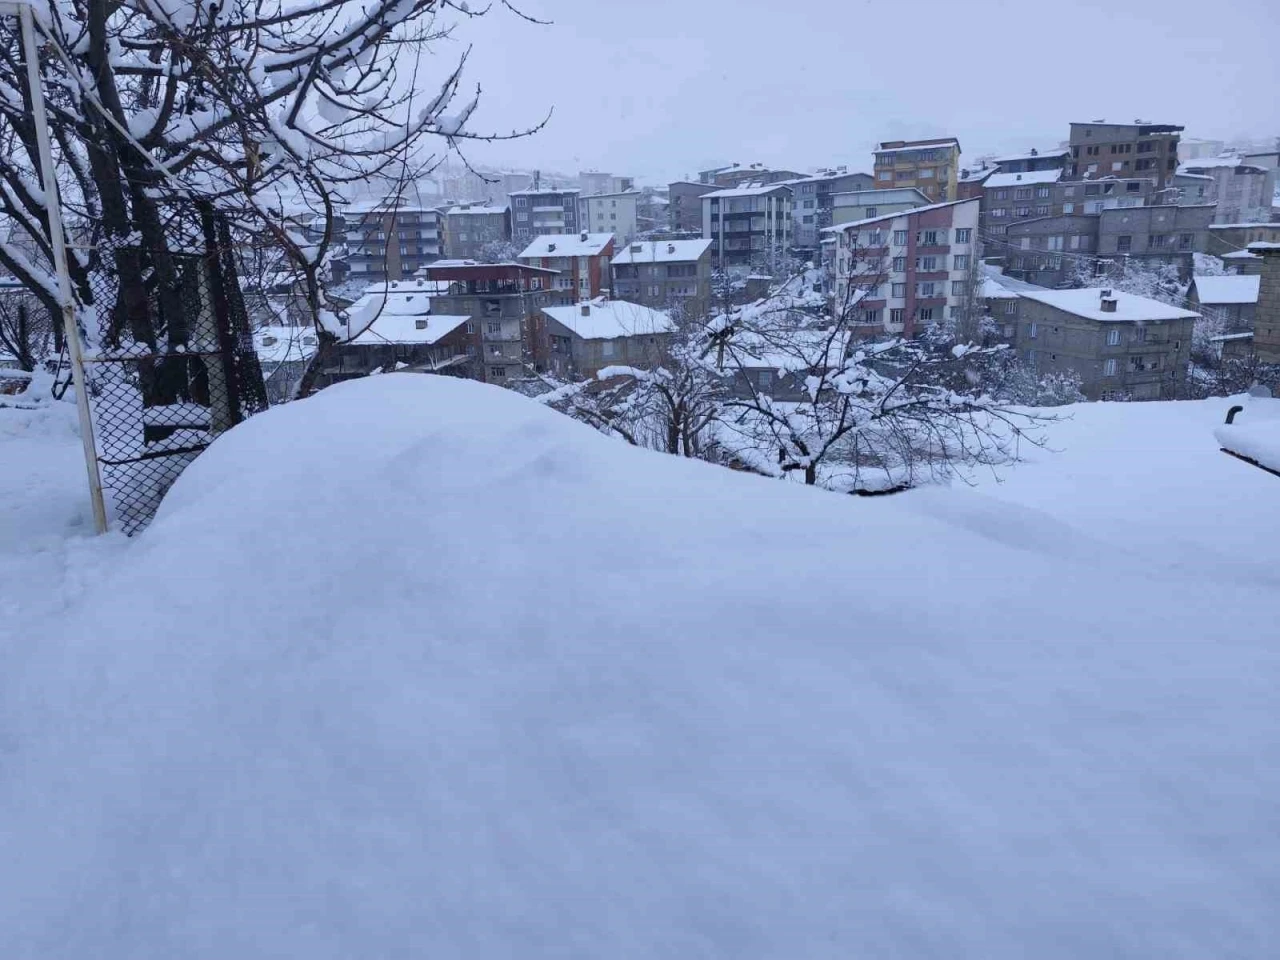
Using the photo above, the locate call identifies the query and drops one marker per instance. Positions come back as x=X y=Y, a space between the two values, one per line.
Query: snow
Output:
x=477 y=210
x=751 y=191
x=1023 y=179
x=1033 y=156
x=1087 y=302
x=839 y=227
x=607 y=319
x=662 y=251
x=1228 y=289
x=566 y=245
x=1240 y=255
x=997 y=286
x=1036 y=718
x=1255 y=432
x=280 y=344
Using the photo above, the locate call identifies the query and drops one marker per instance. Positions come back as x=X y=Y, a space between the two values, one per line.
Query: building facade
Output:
x=1139 y=149
x=1266 y=324
x=584 y=338
x=931 y=166
x=813 y=203
x=1228 y=239
x=660 y=273
x=614 y=213
x=907 y=270
x=1232 y=299
x=581 y=262
x=684 y=205
x=1162 y=232
x=869 y=204
x=502 y=301
x=391 y=242
x=593 y=183
x=737 y=175
x=469 y=227
x=1242 y=191
x=748 y=226
x=1122 y=346
x=536 y=212
x=1034 y=161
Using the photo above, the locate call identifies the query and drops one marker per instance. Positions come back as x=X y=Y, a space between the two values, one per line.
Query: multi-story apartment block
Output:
x=1122 y=346
x=615 y=213
x=1164 y=232
x=468 y=227
x=583 y=338
x=1139 y=149
x=1195 y=188
x=748 y=225
x=908 y=269
x=931 y=166
x=503 y=302
x=581 y=262
x=868 y=204
x=1193 y=148
x=592 y=183
x=736 y=175
x=970 y=183
x=1242 y=191
x=662 y=273
x=813 y=202
x=1266 y=324
x=390 y=241
x=1033 y=161
x=684 y=205
x=1231 y=241
x=539 y=211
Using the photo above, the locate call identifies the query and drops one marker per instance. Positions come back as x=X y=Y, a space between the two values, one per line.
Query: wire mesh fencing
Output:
x=173 y=367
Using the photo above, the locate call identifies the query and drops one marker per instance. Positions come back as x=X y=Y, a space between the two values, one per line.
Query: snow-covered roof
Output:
x=1033 y=156
x=1232 y=336
x=280 y=344
x=602 y=319
x=477 y=209
x=1194 y=176
x=1233 y=289
x=753 y=191
x=1240 y=255
x=662 y=251
x=567 y=245
x=1213 y=162
x=1263 y=245
x=394 y=317
x=997 y=286
x=1130 y=308
x=973 y=176
x=924 y=145
x=1255 y=225
x=860 y=198
x=532 y=192
x=840 y=227
x=1023 y=179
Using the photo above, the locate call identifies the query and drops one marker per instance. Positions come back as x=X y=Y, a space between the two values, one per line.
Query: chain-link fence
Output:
x=174 y=368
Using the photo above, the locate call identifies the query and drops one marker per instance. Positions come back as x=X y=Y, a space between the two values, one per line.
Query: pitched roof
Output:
x=662 y=251
x=382 y=316
x=839 y=227
x=566 y=245
x=607 y=319
x=754 y=191
x=477 y=208
x=1087 y=303
x=1023 y=179
x=1033 y=156
x=1233 y=289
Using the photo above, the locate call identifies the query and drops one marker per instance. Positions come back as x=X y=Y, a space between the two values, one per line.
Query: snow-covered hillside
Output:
x=420 y=668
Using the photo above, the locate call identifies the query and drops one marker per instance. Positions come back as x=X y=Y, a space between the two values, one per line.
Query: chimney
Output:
x=671 y=248
x=420 y=323
x=1018 y=176
x=551 y=248
x=1108 y=304
x=637 y=247
x=1035 y=152
x=583 y=236
x=586 y=309
x=1106 y=292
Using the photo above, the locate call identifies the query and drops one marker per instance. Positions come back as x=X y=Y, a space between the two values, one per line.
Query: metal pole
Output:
x=75 y=348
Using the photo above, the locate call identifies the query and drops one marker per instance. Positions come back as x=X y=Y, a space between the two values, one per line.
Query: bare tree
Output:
x=27 y=331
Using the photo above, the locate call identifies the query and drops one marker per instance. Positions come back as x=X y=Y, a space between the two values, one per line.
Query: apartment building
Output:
x=1231 y=299
x=502 y=301
x=1100 y=149
x=931 y=166
x=615 y=213
x=660 y=273
x=584 y=338
x=1122 y=346
x=389 y=241
x=469 y=227
x=909 y=268
x=539 y=211
x=593 y=183
x=748 y=225
x=1195 y=187
x=581 y=262
x=970 y=183
x=1266 y=324
x=1033 y=161
x=813 y=202
x=869 y=204
x=1242 y=191
x=684 y=205
x=1164 y=232
x=737 y=175
x=1231 y=241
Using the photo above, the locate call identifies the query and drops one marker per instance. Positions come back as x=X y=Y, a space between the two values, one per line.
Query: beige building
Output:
x=1266 y=324
x=1122 y=346
x=931 y=166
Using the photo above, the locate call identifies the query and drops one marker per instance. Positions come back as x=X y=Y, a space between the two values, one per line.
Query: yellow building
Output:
x=930 y=166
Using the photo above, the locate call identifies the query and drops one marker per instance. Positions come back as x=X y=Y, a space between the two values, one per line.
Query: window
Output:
x=1042 y=210
x=1185 y=240
x=807 y=219
x=905 y=175
x=1124 y=243
x=606 y=348
x=1109 y=367
x=927 y=264
x=957 y=288
x=926 y=174
x=520 y=202
x=522 y=216
x=654 y=290
x=1054 y=243
x=885 y=175
x=1042 y=193
x=896 y=315
x=1031 y=356
x=1024 y=243
x=1002 y=194
x=1068 y=191
x=808 y=204
x=764 y=379
x=1011 y=306
x=1022 y=193
x=927 y=238
x=1068 y=208
x=1113 y=338
x=1033 y=330
x=899 y=264
x=471 y=327
x=1008 y=329
x=899 y=238
x=960 y=261
x=1159 y=241
x=963 y=234
x=1091 y=168
x=899 y=290
x=999 y=213
x=871 y=212
x=498 y=373
x=1075 y=241
x=1093 y=206
x=925 y=313
x=870 y=316
x=925 y=288
x=875 y=239
x=1022 y=211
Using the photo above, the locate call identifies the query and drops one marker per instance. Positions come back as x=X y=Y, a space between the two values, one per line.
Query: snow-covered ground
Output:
x=418 y=667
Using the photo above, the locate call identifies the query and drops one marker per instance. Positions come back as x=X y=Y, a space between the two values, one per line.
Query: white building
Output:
x=908 y=269
x=1243 y=190
x=748 y=225
x=593 y=183
x=610 y=213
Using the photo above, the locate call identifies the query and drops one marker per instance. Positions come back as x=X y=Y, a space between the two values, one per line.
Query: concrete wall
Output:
x=662 y=285
x=465 y=234
x=1106 y=150
x=1266 y=329
x=684 y=208
x=610 y=213
x=1164 y=232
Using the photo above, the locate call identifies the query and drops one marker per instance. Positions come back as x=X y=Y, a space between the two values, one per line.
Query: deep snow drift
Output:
x=419 y=668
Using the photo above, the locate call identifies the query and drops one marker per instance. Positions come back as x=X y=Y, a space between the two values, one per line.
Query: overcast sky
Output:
x=662 y=88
